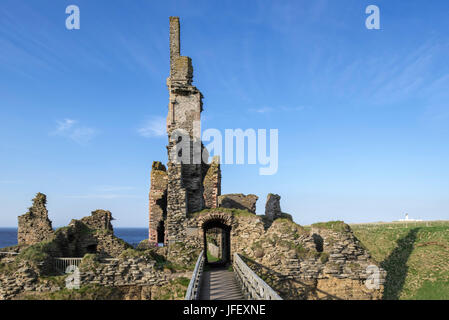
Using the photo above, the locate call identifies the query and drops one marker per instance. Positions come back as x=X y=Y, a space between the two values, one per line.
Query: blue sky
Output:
x=363 y=115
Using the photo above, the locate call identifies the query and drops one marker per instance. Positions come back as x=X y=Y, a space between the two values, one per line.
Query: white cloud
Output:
x=69 y=128
x=65 y=125
x=154 y=127
x=263 y=110
x=82 y=135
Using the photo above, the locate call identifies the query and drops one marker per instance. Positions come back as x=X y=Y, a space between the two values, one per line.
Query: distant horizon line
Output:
x=304 y=225
x=55 y=228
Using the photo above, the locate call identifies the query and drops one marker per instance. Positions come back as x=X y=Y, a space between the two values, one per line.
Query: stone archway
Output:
x=218 y=221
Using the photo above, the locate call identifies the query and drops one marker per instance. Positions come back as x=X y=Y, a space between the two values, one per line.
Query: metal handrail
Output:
x=61 y=264
x=194 y=285
x=252 y=285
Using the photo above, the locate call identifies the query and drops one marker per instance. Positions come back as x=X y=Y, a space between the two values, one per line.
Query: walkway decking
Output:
x=220 y=284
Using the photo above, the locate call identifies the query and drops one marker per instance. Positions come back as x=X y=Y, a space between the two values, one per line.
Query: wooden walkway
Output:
x=220 y=284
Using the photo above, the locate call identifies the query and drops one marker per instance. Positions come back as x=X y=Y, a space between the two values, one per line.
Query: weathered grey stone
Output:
x=238 y=201
x=273 y=207
x=212 y=183
x=158 y=203
x=35 y=226
x=99 y=220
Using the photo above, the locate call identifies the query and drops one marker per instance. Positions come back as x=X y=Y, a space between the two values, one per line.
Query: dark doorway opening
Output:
x=217 y=243
x=91 y=248
x=161 y=232
x=318 y=242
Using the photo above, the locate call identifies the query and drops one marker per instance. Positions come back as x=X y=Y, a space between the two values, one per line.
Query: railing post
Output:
x=252 y=285
x=193 y=290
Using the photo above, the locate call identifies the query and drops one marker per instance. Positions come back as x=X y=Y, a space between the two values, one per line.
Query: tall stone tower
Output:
x=185 y=189
x=186 y=172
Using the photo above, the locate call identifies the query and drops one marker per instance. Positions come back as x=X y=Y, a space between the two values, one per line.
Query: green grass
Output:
x=415 y=257
x=432 y=291
x=175 y=290
x=88 y=292
x=236 y=212
x=331 y=225
x=211 y=258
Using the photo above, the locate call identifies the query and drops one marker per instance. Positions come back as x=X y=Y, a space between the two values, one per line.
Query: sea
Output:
x=8 y=236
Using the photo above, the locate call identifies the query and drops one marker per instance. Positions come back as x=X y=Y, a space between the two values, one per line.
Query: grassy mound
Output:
x=415 y=255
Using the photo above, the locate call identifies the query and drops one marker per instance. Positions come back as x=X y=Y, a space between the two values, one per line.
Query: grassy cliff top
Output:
x=338 y=226
x=415 y=256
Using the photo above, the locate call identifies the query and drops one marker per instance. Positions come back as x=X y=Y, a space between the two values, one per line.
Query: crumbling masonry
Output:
x=189 y=184
x=35 y=226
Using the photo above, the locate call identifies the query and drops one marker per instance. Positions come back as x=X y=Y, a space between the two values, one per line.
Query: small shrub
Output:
x=324 y=257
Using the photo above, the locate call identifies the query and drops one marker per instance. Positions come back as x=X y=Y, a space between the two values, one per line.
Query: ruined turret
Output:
x=185 y=185
x=35 y=226
x=273 y=207
x=188 y=184
x=158 y=203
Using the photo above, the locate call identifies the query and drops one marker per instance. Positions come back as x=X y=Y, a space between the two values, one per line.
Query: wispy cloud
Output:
x=262 y=110
x=70 y=129
x=65 y=125
x=154 y=127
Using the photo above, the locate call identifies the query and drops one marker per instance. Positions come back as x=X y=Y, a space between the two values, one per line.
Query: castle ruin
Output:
x=188 y=214
x=188 y=184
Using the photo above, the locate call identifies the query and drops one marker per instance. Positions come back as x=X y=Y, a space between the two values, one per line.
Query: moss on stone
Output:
x=324 y=257
x=176 y=289
x=39 y=252
x=235 y=212
x=288 y=226
x=90 y=262
x=7 y=268
x=88 y=292
x=58 y=281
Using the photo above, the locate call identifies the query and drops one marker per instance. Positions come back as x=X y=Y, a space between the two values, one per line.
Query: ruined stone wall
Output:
x=185 y=176
x=24 y=278
x=273 y=207
x=99 y=219
x=324 y=262
x=137 y=278
x=175 y=42
x=121 y=272
x=238 y=201
x=311 y=264
x=214 y=250
x=35 y=226
x=92 y=234
x=157 y=200
x=176 y=204
x=212 y=184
